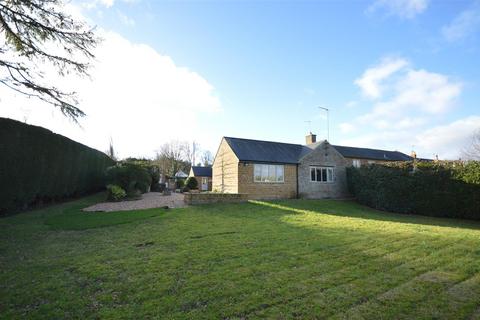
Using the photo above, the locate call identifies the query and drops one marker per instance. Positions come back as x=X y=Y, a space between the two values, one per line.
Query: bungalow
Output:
x=265 y=169
x=203 y=175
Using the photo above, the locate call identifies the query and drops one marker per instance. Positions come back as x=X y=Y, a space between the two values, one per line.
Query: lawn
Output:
x=285 y=259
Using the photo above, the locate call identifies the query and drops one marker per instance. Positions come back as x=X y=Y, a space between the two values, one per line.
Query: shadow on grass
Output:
x=352 y=209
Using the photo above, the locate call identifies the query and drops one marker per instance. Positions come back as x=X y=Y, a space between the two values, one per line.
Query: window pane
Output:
x=319 y=174
x=329 y=174
x=257 y=172
x=312 y=174
x=324 y=174
x=279 y=173
x=264 y=172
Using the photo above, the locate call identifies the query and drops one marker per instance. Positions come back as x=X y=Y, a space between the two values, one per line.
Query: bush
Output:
x=445 y=189
x=37 y=165
x=191 y=183
x=158 y=187
x=115 y=193
x=130 y=177
x=179 y=184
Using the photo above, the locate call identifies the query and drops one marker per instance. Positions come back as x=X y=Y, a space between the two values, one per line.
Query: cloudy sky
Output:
x=396 y=74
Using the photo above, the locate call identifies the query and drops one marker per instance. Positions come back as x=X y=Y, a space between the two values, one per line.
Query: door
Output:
x=204 y=184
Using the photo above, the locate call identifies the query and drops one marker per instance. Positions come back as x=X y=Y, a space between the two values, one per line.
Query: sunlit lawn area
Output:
x=286 y=259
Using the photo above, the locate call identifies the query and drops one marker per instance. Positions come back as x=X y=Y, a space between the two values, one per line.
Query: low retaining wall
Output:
x=204 y=198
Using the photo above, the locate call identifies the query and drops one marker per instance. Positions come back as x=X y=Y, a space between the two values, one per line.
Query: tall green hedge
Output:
x=38 y=165
x=442 y=189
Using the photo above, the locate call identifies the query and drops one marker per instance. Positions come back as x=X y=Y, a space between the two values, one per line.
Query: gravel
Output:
x=148 y=201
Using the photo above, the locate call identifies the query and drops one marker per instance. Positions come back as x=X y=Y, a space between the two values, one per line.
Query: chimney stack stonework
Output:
x=311 y=138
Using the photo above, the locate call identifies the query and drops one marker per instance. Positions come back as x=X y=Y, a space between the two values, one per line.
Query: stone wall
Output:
x=267 y=190
x=323 y=156
x=225 y=170
x=213 y=197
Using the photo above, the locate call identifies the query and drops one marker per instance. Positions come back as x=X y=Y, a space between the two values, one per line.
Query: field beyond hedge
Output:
x=286 y=259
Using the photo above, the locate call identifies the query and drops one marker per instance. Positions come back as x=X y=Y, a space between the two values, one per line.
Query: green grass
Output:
x=285 y=259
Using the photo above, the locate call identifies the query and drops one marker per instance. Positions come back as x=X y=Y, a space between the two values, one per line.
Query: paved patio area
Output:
x=148 y=201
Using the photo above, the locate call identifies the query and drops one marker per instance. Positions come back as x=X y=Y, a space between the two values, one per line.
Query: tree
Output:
x=207 y=158
x=472 y=150
x=111 y=152
x=38 y=34
x=173 y=156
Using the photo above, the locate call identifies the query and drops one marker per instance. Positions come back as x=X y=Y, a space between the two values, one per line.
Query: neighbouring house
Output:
x=267 y=170
x=203 y=175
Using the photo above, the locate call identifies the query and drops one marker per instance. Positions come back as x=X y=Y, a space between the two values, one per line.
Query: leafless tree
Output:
x=173 y=156
x=207 y=158
x=472 y=150
x=37 y=34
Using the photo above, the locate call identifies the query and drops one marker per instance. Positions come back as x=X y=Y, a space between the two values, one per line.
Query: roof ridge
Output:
x=336 y=145
x=292 y=144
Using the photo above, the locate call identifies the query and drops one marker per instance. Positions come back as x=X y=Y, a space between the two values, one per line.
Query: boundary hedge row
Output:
x=442 y=189
x=37 y=165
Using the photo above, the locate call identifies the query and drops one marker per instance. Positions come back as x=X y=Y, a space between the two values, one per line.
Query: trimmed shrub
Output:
x=37 y=165
x=115 y=193
x=134 y=179
x=191 y=183
x=442 y=189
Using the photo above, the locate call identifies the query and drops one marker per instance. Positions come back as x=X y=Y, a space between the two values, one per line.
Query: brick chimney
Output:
x=311 y=138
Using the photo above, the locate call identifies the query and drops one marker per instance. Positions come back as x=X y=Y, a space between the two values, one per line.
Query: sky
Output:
x=397 y=75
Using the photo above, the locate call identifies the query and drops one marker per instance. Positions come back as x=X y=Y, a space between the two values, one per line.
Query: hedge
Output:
x=441 y=189
x=37 y=165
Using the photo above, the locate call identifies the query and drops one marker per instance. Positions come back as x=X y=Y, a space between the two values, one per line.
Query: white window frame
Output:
x=356 y=163
x=320 y=169
x=265 y=170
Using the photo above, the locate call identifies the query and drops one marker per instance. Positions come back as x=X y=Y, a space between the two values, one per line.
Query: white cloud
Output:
x=406 y=9
x=346 y=127
x=137 y=96
x=370 y=81
x=407 y=101
x=448 y=140
x=351 y=104
x=463 y=25
x=399 y=90
x=124 y=19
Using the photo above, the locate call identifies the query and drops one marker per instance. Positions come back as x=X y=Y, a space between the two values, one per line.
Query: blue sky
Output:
x=394 y=74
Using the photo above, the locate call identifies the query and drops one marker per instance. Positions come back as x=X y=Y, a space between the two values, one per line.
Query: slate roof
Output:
x=202 y=171
x=287 y=153
x=266 y=151
x=373 y=154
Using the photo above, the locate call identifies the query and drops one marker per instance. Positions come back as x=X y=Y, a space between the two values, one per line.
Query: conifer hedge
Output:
x=441 y=189
x=37 y=165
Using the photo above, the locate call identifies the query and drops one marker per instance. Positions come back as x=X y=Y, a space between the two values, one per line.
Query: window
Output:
x=321 y=174
x=204 y=180
x=356 y=163
x=268 y=173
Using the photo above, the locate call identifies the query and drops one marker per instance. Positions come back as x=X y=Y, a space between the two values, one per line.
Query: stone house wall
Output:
x=267 y=190
x=323 y=156
x=225 y=170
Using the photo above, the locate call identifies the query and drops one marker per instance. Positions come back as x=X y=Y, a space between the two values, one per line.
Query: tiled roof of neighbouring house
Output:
x=373 y=154
x=202 y=171
x=278 y=152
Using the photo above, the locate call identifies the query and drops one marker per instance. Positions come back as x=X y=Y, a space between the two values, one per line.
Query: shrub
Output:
x=38 y=165
x=179 y=184
x=115 y=193
x=191 y=183
x=158 y=187
x=444 y=189
x=130 y=177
